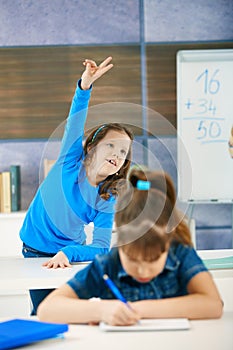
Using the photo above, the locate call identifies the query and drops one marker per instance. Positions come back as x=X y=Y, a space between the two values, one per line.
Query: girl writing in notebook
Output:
x=154 y=266
x=81 y=187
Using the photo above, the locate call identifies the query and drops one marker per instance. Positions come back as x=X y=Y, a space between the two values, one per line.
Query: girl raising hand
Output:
x=80 y=188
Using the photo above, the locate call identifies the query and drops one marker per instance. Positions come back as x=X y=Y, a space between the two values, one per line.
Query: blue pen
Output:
x=114 y=289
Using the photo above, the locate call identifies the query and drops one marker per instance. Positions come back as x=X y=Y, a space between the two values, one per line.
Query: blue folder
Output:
x=19 y=332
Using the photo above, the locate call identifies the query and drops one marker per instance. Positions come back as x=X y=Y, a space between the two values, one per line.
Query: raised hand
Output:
x=94 y=72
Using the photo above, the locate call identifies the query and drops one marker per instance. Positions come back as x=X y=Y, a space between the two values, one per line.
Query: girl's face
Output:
x=110 y=153
x=141 y=270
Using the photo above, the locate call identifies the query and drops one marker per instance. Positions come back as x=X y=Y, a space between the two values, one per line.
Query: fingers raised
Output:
x=94 y=72
x=103 y=66
x=105 y=62
x=91 y=62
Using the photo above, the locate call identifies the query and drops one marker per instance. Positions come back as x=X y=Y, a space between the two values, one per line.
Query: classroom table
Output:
x=19 y=274
x=203 y=335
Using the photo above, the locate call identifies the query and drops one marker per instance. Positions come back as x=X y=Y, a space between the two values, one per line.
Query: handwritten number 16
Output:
x=211 y=85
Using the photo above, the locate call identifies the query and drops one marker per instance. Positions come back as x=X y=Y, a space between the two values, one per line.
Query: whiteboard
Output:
x=204 y=121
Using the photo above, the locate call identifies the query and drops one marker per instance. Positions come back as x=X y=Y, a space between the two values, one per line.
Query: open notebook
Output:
x=18 y=332
x=163 y=324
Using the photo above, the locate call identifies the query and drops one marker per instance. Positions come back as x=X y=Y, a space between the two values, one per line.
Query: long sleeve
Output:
x=102 y=234
x=100 y=244
x=66 y=201
x=73 y=135
x=83 y=252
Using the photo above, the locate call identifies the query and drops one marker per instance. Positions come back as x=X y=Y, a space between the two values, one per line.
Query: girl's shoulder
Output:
x=106 y=262
x=180 y=252
x=186 y=257
x=180 y=248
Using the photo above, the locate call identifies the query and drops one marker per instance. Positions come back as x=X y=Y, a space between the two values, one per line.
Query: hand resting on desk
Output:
x=59 y=260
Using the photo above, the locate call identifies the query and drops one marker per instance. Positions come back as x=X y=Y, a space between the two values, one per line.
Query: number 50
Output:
x=211 y=130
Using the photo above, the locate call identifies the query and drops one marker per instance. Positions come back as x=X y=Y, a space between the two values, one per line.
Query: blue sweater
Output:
x=65 y=202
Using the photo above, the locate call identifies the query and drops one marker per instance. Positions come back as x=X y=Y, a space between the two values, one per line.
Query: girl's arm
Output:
x=101 y=241
x=74 y=130
x=71 y=147
x=202 y=302
x=101 y=236
x=63 y=306
x=73 y=254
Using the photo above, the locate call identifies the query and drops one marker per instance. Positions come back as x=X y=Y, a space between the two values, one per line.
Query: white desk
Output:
x=19 y=274
x=203 y=335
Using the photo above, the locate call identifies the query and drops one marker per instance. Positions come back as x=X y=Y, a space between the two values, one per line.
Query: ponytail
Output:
x=151 y=197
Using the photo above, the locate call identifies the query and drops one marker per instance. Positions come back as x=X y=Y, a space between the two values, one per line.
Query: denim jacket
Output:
x=181 y=265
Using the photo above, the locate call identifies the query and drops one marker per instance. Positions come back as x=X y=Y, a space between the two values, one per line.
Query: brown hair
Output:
x=147 y=221
x=112 y=183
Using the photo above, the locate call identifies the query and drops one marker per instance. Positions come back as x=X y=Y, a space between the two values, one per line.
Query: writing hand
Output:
x=94 y=72
x=59 y=260
x=117 y=313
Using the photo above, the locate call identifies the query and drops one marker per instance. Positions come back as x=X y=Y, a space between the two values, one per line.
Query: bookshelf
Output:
x=15 y=215
x=10 y=224
x=10 y=189
x=12 y=303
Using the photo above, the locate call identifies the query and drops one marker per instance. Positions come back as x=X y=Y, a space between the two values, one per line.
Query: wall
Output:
x=213 y=230
x=58 y=22
x=76 y=22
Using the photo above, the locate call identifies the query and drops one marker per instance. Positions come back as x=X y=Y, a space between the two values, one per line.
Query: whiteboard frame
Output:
x=185 y=56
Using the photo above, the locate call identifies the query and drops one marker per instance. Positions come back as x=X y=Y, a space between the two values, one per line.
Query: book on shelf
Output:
x=15 y=187
x=5 y=192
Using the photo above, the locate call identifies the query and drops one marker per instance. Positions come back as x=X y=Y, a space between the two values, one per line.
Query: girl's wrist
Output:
x=85 y=85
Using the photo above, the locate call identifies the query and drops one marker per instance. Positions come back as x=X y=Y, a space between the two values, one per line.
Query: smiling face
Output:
x=110 y=154
x=141 y=270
